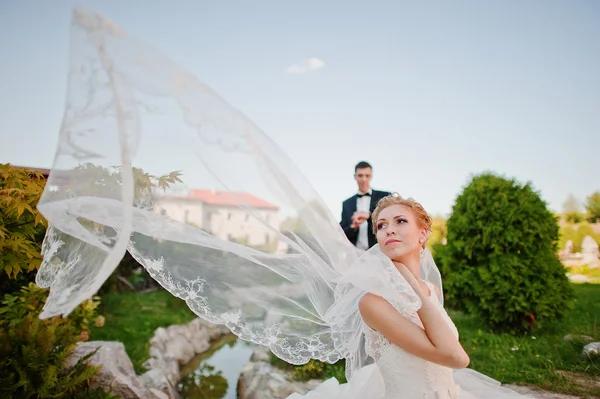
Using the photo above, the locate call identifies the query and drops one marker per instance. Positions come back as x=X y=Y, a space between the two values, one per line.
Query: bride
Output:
x=137 y=131
x=415 y=351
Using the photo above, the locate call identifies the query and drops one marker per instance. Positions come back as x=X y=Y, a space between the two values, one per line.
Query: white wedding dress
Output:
x=397 y=374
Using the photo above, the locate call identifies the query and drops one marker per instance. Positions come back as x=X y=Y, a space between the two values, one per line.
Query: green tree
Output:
x=33 y=351
x=21 y=225
x=500 y=261
x=592 y=206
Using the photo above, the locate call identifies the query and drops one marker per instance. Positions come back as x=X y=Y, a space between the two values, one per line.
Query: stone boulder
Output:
x=175 y=346
x=592 y=349
x=117 y=375
x=169 y=348
x=572 y=337
x=260 y=380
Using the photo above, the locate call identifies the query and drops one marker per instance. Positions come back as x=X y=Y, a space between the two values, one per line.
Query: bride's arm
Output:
x=436 y=343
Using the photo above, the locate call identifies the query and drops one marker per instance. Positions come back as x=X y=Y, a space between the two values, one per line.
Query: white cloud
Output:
x=309 y=65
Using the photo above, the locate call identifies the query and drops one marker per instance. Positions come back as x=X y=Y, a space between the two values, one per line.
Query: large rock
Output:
x=589 y=250
x=117 y=375
x=169 y=348
x=158 y=381
x=584 y=338
x=180 y=348
x=156 y=394
x=182 y=342
x=261 y=354
x=260 y=380
x=592 y=349
x=175 y=346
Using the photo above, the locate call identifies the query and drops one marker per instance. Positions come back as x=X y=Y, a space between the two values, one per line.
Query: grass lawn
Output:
x=592 y=273
x=132 y=318
x=543 y=359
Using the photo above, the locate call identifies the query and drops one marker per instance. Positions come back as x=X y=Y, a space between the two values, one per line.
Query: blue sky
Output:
x=428 y=92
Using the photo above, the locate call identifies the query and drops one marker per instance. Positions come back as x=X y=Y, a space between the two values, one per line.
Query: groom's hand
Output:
x=358 y=218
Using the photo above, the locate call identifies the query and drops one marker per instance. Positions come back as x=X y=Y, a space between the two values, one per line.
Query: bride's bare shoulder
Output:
x=370 y=303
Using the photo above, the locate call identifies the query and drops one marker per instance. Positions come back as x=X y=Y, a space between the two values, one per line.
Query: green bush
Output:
x=500 y=260
x=31 y=299
x=313 y=369
x=33 y=351
x=15 y=307
x=33 y=354
x=592 y=206
x=22 y=227
x=574 y=217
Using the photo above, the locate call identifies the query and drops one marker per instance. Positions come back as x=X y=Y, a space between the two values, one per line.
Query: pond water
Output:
x=214 y=374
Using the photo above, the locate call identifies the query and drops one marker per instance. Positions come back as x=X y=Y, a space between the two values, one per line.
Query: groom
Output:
x=356 y=210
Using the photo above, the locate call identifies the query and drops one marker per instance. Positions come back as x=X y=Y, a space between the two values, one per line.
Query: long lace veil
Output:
x=152 y=161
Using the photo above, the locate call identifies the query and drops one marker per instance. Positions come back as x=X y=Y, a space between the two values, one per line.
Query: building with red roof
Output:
x=238 y=216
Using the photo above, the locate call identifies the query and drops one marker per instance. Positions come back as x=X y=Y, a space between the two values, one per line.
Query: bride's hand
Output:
x=410 y=278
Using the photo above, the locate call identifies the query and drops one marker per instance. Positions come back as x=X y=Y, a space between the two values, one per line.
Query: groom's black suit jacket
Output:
x=348 y=209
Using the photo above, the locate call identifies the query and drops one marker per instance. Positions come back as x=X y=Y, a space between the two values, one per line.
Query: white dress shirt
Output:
x=363 y=205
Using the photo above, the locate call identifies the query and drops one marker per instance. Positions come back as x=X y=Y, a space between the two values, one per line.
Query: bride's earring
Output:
x=422 y=250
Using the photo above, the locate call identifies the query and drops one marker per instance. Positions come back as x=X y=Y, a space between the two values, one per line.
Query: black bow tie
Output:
x=362 y=195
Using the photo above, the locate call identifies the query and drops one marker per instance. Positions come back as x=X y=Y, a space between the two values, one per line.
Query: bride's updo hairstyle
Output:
x=422 y=217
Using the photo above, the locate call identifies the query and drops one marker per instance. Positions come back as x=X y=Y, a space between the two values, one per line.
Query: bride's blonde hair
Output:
x=423 y=218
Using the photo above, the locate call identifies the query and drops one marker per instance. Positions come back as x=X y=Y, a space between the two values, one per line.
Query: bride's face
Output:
x=398 y=232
